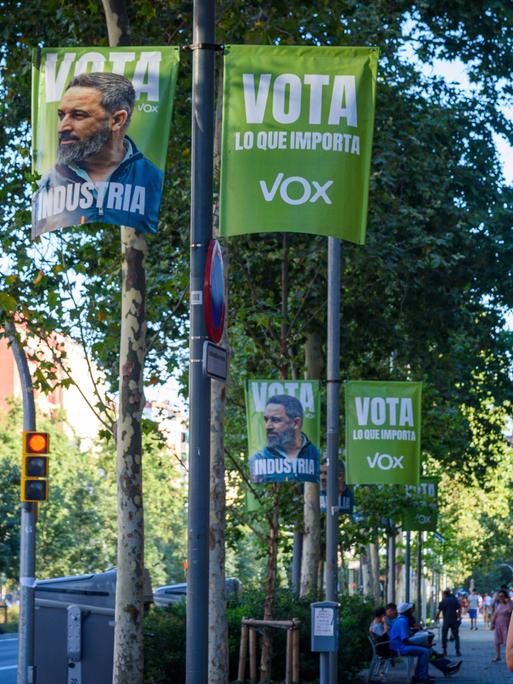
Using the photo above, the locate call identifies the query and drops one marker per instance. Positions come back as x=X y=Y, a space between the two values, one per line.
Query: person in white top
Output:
x=487 y=609
x=473 y=606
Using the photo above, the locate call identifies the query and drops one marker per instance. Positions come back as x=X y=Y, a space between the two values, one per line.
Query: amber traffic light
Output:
x=34 y=466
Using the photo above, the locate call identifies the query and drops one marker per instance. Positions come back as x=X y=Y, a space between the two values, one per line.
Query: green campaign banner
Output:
x=297 y=138
x=422 y=514
x=100 y=128
x=284 y=420
x=383 y=430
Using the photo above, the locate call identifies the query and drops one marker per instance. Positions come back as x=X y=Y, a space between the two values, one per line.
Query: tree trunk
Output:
x=116 y=18
x=218 y=662
x=270 y=583
x=274 y=516
x=218 y=628
x=129 y=616
x=373 y=556
x=344 y=584
x=311 y=511
x=364 y=571
x=128 y=631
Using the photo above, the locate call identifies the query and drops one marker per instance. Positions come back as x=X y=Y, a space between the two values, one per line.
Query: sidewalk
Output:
x=478 y=650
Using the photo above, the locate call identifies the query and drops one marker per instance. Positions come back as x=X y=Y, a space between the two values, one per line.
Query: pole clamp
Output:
x=216 y=47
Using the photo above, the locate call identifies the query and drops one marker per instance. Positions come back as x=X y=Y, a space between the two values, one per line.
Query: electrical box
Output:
x=324 y=626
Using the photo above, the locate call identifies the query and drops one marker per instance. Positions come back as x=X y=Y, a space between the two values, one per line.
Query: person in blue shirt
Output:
x=401 y=642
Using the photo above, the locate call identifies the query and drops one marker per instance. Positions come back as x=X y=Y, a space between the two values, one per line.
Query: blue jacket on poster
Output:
x=130 y=196
x=274 y=465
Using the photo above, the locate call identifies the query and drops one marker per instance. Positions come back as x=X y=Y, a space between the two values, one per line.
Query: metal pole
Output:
x=333 y=402
x=324 y=668
x=407 y=568
x=419 y=576
x=391 y=569
x=26 y=668
x=199 y=384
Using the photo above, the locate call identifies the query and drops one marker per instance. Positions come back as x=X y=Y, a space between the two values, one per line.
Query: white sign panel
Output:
x=323 y=622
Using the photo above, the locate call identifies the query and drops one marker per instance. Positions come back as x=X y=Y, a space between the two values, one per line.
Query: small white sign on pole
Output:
x=323 y=622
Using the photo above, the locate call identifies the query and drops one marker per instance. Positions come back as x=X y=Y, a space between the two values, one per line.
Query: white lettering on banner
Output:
x=263 y=391
x=335 y=142
x=422 y=519
x=120 y=60
x=305 y=190
x=370 y=433
x=57 y=79
x=379 y=406
x=146 y=76
x=145 y=80
x=294 y=140
x=291 y=84
x=67 y=198
x=284 y=466
x=385 y=461
x=287 y=98
x=147 y=108
x=95 y=59
x=316 y=83
x=426 y=489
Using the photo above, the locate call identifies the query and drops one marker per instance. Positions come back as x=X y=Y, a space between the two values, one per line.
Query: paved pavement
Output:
x=8 y=658
x=478 y=651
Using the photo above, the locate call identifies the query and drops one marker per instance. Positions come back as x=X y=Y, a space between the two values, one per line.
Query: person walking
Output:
x=500 y=621
x=487 y=609
x=449 y=606
x=473 y=607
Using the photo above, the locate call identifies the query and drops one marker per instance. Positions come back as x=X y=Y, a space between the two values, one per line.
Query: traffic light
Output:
x=34 y=466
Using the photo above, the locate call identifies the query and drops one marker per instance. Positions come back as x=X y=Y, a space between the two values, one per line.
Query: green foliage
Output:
x=76 y=529
x=424 y=299
x=10 y=457
x=164 y=645
x=165 y=511
x=11 y=626
x=165 y=638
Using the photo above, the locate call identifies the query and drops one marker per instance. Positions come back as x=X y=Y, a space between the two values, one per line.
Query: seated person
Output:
x=379 y=632
x=401 y=643
x=391 y=613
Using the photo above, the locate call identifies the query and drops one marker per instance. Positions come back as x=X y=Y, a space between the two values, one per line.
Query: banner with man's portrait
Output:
x=283 y=418
x=100 y=129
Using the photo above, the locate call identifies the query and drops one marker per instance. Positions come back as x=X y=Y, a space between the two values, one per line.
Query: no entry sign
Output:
x=214 y=293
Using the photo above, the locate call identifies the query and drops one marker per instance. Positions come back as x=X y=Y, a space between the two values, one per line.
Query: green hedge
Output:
x=165 y=638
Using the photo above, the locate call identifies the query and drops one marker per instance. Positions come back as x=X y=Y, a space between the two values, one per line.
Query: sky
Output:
x=454 y=72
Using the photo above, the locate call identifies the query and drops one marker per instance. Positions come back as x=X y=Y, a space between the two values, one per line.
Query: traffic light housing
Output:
x=34 y=466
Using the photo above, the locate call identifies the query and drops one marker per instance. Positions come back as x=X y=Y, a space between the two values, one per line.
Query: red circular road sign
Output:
x=214 y=294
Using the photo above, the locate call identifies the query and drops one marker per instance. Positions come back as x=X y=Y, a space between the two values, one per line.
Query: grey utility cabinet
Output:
x=74 y=628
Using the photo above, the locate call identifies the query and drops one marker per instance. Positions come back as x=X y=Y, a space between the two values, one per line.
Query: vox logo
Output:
x=296 y=190
x=422 y=519
x=147 y=108
x=385 y=461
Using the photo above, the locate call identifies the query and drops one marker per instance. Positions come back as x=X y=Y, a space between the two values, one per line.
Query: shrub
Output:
x=164 y=645
x=165 y=638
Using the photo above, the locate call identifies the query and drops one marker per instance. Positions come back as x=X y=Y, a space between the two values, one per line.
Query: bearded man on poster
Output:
x=289 y=456
x=100 y=174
